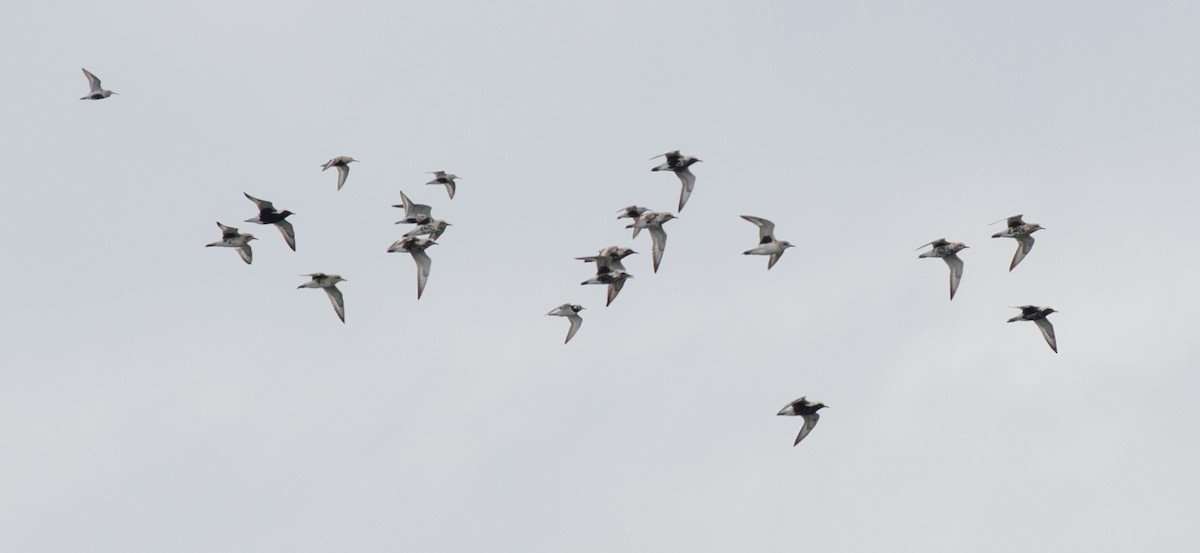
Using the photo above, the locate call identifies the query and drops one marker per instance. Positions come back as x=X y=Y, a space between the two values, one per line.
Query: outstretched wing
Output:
x=956 y=272
x=289 y=233
x=774 y=259
x=263 y=205
x=810 y=422
x=93 y=81
x=335 y=297
x=1024 y=244
x=766 y=229
x=246 y=253
x=689 y=182
x=660 y=244
x=1047 y=332
x=576 y=322
x=614 y=289
x=343 y=172
x=423 y=265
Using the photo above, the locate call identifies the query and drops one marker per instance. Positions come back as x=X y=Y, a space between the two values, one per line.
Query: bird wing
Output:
x=766 y=229
x=614 y=289
x=343 y=172
x=335 y=297
x=1011 y=223
x=576 y=322
x=450 y=188
x=956 y=272
x=1024 y=244
x=660 y=244
x=227 y=232
x=423 y=264
x=689 y=182
x=810 y=422
x=246 y=253
x=774 y=259
x=934 y=243
x=289 y=233
x=263 y=205
x=93 y=81
x=1047 y=332
x=561 y=310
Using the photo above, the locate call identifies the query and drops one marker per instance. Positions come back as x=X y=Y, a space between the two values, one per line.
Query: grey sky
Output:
x=156 y=395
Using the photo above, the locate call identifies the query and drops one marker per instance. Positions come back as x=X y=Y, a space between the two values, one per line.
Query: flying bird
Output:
x=329 y=284
x=803 y=408
x=609 y=269
x=767 y=244
x=1023 y=233
x=267 y=215
x=445 y=179
x=343 y=166
x=571 y=312
x=416 y=246
x=948 y=251
x=679 y=163
x=632 y=212
x=433 y=228
x=230 y=238
x=654 y=220
x=414 y=213
x=1038 y=316
x=97 y=92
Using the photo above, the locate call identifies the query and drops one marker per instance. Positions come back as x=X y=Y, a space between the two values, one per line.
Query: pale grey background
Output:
x=156 y=395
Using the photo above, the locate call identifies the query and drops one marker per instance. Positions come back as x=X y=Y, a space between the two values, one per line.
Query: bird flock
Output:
x=610 y=270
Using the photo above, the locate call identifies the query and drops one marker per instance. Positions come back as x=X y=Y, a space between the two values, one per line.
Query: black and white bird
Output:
x=414 y=213
x=445 y=179
x=416 y=246
x=329 y=284
x=948 y=251
x=433 y=228
x=1038 y=316
x=571 y=312
x=230 y=238
x=803 y=408
x=609 y=269
x=343 y=166
x=632 y=212
x=1023 y=233
x=653 y=221
x=678 y=164
x=268 y=215
x=767 y=244
x=96 y=91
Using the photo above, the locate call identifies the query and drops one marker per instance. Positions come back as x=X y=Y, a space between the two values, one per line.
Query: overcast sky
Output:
x=157 y=395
